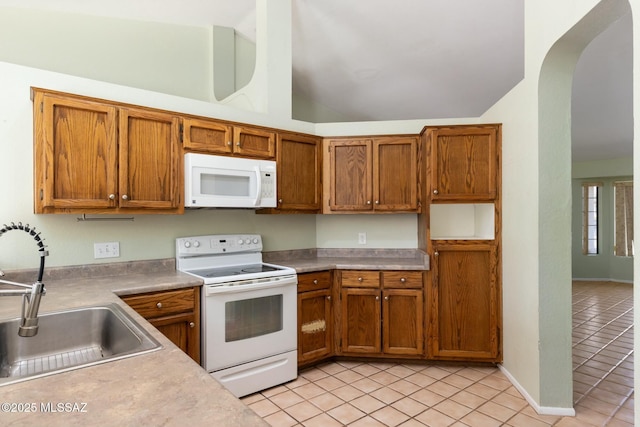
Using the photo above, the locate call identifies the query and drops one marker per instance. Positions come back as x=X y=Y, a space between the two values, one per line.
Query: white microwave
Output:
x=228 y=182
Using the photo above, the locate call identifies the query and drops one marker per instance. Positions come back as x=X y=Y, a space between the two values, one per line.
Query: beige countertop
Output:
x=309 y=260
x=164 y=387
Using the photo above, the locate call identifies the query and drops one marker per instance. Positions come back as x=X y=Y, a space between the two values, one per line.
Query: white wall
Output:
x=536 y=198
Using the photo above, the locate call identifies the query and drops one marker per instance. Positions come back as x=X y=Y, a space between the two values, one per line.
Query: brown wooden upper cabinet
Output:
x=96 y=157
x=299 y=172
x=464 y=162
x=373 y=175
x=216 y=137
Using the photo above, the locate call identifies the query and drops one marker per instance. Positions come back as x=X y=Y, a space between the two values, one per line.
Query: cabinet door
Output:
x=207 y=136
x=75 y=154
x=464 y=300
x=464 y=163
x=254 y=142
x=314 y=326
x=150 y=165
x=402 y=321
x=360 y=321
x=350 y=175
x=299 y=185
x=395 y=172
x=182 y=331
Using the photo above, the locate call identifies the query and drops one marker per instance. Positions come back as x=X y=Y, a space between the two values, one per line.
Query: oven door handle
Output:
x=239 y=288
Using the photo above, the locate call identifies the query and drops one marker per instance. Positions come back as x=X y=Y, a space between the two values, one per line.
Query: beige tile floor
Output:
x=416 y=395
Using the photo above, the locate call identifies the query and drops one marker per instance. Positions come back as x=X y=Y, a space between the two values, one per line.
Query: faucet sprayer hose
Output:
x=36 y=236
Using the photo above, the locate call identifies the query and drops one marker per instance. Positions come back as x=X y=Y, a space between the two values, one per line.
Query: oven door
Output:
x=248 y=322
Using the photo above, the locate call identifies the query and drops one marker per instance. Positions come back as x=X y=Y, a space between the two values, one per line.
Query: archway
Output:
x=554 y=214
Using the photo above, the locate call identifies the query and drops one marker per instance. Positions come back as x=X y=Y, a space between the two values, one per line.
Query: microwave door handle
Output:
x=258 y=186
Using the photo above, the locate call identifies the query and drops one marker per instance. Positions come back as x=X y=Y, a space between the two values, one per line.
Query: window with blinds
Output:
x=590 y=222
x=623 y=219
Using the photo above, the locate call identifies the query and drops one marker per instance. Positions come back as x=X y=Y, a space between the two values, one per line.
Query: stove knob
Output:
x=187 y=244
x=196 y=244
x=255 y=240
x=240 y=242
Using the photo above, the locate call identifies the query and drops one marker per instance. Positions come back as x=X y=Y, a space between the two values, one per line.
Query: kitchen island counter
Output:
x=164 y=387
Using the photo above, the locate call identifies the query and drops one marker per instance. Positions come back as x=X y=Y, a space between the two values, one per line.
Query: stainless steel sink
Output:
x=70 y=339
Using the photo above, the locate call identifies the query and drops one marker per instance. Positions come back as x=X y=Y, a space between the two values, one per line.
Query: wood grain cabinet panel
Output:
x=315 y=317
x=464 y=163
x=176 y=314
x=377 y=174
x=299 y=172
x=464 y=302
x=218 y=137
x=150 y=160
x=382 y=313
x=403 y=327
x=351 y=186
x=361 y=314
x=94 y=156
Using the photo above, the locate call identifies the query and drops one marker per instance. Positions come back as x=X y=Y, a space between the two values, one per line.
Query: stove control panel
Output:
x=218 y=244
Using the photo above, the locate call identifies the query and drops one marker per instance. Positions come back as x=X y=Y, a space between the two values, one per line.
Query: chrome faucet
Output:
x=31 y=294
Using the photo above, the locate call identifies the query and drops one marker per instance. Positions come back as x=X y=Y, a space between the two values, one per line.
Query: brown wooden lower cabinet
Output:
x=382 y=313
x=175 y=313
x=315 y=317
x=464 y=302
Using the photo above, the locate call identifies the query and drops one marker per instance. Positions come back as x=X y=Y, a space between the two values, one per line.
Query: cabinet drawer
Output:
x=402 y=279
x=158 y=304
x=360 y=279
x=314 y=281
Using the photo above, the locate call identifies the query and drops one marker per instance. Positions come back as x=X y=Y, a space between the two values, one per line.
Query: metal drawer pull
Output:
x=192 y=324
x=402 y=279
x=315 y=281
x=359 y=279
x=159 y=305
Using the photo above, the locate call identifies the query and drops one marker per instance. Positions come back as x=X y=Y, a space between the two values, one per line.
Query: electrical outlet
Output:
x=106 y=250
x=362 y=238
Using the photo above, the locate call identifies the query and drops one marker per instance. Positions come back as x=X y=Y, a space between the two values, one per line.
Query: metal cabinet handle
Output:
x=386 y=298
x=329 y=297
x=159 y=305
x=237 y=144
x=359 y=279
x=125 y=197
x=435 y=191
x=279 y=200
x=368 y=202
x=315 y=281
x=377 y=202
x=436 y=253
x=112 y=196
x=402 y=279
x=228 y=142
x=377 y=298
x=192 y=324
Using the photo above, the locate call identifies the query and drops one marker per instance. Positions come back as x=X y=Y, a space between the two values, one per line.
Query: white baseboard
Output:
x=595 y=279
x=541 y=410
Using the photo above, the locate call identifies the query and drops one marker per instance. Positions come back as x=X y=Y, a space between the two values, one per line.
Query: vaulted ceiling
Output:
x=414 y=59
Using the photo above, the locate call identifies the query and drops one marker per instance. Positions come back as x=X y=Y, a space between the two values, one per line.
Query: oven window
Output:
x=253 y=317
x=224 y=185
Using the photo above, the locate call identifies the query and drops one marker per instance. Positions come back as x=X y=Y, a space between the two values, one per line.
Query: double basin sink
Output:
x=70 y=339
